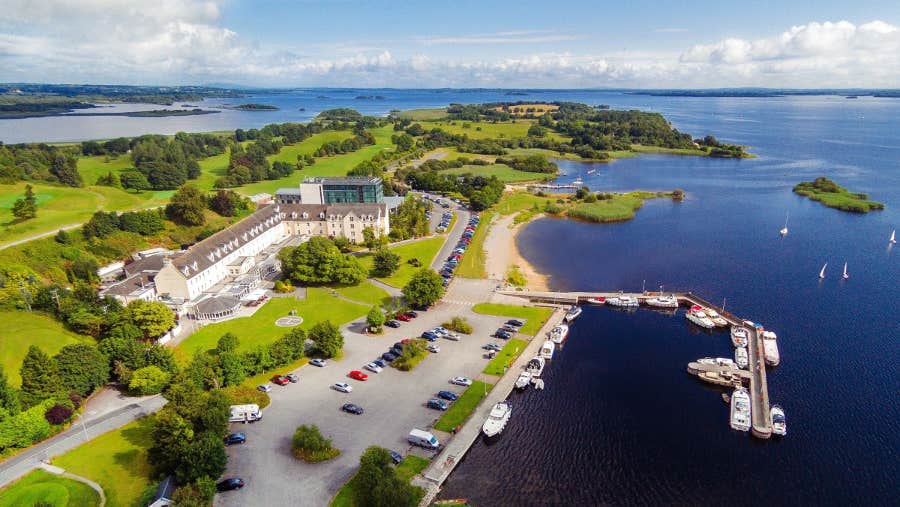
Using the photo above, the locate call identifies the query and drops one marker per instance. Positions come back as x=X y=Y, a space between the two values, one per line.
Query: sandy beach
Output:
x=502 y=253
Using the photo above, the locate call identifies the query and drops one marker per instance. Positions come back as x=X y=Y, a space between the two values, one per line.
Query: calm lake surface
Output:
x=622 y=423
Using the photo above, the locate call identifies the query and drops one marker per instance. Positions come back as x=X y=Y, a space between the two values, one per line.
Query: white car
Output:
x=342 y=387
x=266 y=388
x=372 y=367
x=461 y=381
x=440 y=330
x=452 y=336
x=433 y=348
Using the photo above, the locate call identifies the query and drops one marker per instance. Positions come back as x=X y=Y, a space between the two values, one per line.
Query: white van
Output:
x=245 y=413
x=423 y=439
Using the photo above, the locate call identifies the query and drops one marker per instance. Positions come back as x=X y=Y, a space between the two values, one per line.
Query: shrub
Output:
x=284 y=287
x=515 y=277
x=148 y=380
x=58 y=414
x=309 y=445
x=413 y=353
x=245 y=395
x=458 y=324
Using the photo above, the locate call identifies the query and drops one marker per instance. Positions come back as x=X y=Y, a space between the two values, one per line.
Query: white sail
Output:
x=893 y=237
x=822 y=273
x=784 y=231
x=846 y=276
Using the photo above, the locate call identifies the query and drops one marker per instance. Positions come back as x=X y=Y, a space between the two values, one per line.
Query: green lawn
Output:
x=514 y=202
x=406 y=470
x=309 y=145
x=117 y=461
x=365 y=292
x=460 y=409
x=423 y=114
x=25 y=329
x=260 y=329
x=91 y=168
x=497 y=366
x=534 y=316
x=619 y=207
x=639 y=148
x=472 y=263
x=52 y=490
x=503 y=172
x=424 y=250
x=487 y=130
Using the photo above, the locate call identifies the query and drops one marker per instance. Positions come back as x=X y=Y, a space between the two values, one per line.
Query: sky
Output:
x=435 y=43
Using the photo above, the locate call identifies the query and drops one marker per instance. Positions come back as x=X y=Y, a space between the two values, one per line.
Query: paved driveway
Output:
x=394 y=403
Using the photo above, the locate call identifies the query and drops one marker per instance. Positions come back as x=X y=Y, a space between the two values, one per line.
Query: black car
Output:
x=392 y=323
x=352 y=409
x=396 y=457
x=502 y=334
x=389 y=356
x=447 y=395
x=411 y=314
x=230 y=484
x=396 y=351
x=236 y=438
x=510 y=329
x=420 y=308
x=513 y=322
x=380 y=362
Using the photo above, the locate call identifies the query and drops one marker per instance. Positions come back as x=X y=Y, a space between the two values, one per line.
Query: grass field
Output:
x=423 y=114
x=619 y=207
x=462 y=408
x=503 y=172
x=534 y=316
x=52 y=490
x=260 y=329
x=472 y=263
x=639 y=148
x=117 y=461
x=406 y=470
x=23 y=330
x=514 y=202
x=424 y=250
x=483 y=130
x=365 y=292
x=497 y=366
x=835 y=196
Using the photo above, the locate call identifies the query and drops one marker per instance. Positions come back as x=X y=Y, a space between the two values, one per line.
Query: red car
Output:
x=404 y=317
x=282 y=381
x=358 y=375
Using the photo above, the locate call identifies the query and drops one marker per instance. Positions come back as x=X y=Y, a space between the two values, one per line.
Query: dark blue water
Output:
x=622 y=423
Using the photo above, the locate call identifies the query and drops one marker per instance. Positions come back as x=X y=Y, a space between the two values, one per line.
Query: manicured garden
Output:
x=534 y=316
x=42 y=488
x=424 y=250
x=498 y=365
x=22 y=330
x=365 y=292
x=462 y=408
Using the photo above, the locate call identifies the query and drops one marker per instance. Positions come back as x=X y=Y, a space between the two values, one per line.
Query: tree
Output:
x=342 y=243
x=379 y=485
x=204 y=457
x=151 y=317
x=82 y=368
x=233 y=372
x=26 y=207
x=309 y=445
x=134 y=180
x=40 y=377
x=226 y=203
x=228 y=342
x=9 y=397
x=375 y=319
x=424 y=289
x=327 y=338
x=319 y=261
x=171 y=436
x=101 y=224
x=148 y=380
x=371 y=240
x=187 y=206
x=385 y=263
x=65 y=170
x=109 y=180
x=145 y=223
x=62 y=237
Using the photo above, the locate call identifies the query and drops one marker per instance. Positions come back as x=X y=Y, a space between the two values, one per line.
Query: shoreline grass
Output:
x=504 y=359
x=534 y=316
x=462 y=408
x=473 y=260
x=835 y=196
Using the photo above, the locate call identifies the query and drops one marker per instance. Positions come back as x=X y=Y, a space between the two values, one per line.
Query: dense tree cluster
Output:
x=187 y=206
x=39 y=162
x=379 y=485
x=319 y=261
x=408 y=220
x=482 y=192
x=424 y=288
x=531 y=163
x=104 y=223
x=349 y=145
x=168 y=162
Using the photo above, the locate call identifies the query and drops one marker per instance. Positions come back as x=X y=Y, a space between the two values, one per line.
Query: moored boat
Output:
x=623 y=301
x=740 y=410
x=596 y=300
x=696 y=315
x=715 y=317
x=770 y=348
x=559 y=333
x=779 y=423
x=718 y=361
x=535 y=366
x=497 y=419
x=547 y=350
x=662 y=302
x=739 y=336
x=741 y=358
x=523 y=380
x=572 y=313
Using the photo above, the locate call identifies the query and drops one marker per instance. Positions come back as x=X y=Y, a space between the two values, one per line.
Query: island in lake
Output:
x=835 y=196
x=255 y=107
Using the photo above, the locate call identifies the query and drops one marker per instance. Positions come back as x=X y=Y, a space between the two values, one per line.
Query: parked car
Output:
x=447 y=395
x=492 y=346
x=282 y=381
x=510 y=329
x=404 y=317
x=266 y=388
x=317 y=362
x=438 y=404
x=380 y=362
x=236 y=438
x=514 y=322
x=430 y=336
x=389 y=356
x=461 y=381
x=452 y=337
x=396 y=457
x=396 y=351
x=433 y=347
x=293 y=377
x=372 y=367
x=342 y=387
x=358 y=375
x=502 y=334
x=392 y=323
x=230 y=484
x=411 y=314
x=352 y=408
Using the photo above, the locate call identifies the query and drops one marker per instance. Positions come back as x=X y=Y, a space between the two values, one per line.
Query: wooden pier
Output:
x=756 y=370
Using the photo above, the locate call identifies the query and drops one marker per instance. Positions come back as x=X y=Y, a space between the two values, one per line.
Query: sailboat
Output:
x=893 y=239
x=846 y=276
x=822 y=273
x=784 y=230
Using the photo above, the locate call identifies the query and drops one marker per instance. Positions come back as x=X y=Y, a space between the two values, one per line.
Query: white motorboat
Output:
x=740 y=409
x=623 y=301
x=497 y=419
x=739 y=336
x=893 y=239
x=822 y=272
x=547 y=350
x=784 y=230
x=845 y=275
x=715 y=317
x=597 y=300
x=535 y=366
x=572 y=313
x=741 y=358
x=770 y=348
x=523 y=380
x=779 y=423
x=697 y=316
x=559 y=333
x=538 y=383
x=662 y=302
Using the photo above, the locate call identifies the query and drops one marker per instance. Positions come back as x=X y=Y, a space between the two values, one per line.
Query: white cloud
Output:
x=184 y=41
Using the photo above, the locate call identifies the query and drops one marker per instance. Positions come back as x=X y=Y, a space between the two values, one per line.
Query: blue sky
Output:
x=463 y=43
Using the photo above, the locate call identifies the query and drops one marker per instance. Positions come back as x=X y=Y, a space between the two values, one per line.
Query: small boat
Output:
x=822 y=272
x=741 y=358
x=784 y=230
x=497 y=419
x=845 y=275
x=558 y=334
x=779 y=423
x=715 y=317
x=523 y=380
x=740 y=336
x=740 y=409
x=535 y=366
x=718 y=361
x=538 y=383
x=770 y=348
x=662 y=302
x=547 y=350
x=572 y=313
x=893 y=239
x=578 y=181
x=623 y=301
x=597 y=300
x=726 y=398
x=698 y=317
x=591 y=171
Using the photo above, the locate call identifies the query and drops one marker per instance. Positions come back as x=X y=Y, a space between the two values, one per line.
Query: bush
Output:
x=57 y=414
x=245 y=395
x=458 y=324
x=413 y=353
x=284 y=287
x=309 y=445
x=25 y=428
x=148 y=380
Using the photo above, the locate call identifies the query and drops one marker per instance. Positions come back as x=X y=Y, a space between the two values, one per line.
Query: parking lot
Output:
x=394 y=403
